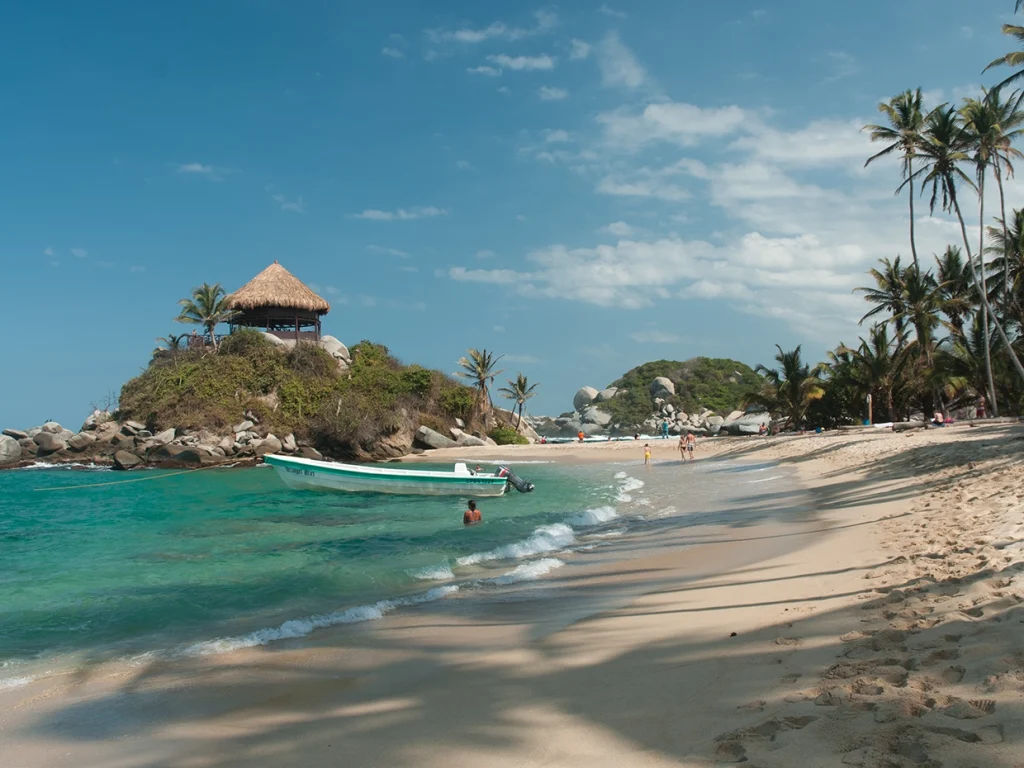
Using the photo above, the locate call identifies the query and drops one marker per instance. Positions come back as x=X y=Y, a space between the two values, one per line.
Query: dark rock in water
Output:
x=125 y=460
x=48 y=443
x=10 y=450
x=17 y=434
x=175 y=456
x=431 y=439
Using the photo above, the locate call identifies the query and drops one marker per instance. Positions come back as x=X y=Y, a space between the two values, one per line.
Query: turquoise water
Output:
x=180 y=561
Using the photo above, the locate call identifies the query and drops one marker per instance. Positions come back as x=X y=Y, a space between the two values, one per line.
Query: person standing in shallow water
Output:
x=472 y=515
x=647 y=454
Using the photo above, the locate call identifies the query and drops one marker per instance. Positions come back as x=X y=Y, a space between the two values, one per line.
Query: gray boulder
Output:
x=662 y=387
x=735 y=415
x=65 y=434
x=95 y=419
x=33 y=431
x=48 y=443
x=288 y=445
x=270 y=444
x=52 y=427
x=276 y=341
x=175 y=456
x=28 y=447
x=465 y=440
x=606 y=394
x=428 y=438
x=244 y=426
x=307 y=452
x=747 y=424
x=126 y=460
x=16 y=434
x=584 y=397
x=595 y=415
x=163 y=438
x=226 y=444
x=10 y=450
x=335 y=348
x=80 y=442
x=593 y=430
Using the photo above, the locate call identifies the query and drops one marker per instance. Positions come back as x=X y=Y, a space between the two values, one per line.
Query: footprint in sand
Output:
x=954 y=674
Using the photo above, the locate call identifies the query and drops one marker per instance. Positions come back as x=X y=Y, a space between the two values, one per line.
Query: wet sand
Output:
x=874 y=620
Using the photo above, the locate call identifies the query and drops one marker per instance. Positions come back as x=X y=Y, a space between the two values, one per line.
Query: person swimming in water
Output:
x=472 y=515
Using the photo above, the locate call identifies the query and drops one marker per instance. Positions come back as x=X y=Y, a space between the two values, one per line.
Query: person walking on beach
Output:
x=472 y=515
x=664 y=429
x=647 y=454
x=691 y=443
x=682 y=446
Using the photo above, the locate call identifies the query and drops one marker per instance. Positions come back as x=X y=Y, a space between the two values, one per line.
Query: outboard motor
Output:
x=523 y=486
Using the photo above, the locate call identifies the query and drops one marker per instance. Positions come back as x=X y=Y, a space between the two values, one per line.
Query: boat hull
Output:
x=309 y=475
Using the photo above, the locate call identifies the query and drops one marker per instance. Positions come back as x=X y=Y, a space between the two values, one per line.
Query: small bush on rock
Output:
x=505 y=435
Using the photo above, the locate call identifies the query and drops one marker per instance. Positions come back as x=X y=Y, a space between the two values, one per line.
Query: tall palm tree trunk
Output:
x=913 y=240
x=1006 y=242
x=984 y=308
x=984 y=297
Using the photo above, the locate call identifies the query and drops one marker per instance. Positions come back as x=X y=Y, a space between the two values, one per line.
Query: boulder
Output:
x=163 y=438
x=244 y=426
x=81 y=441
x=217 y=451
x=747 y=424
x=427 y=437
x=593 y=430
x=606 y=394
x=65 y=434
x=288 y=445
x=16 y=434
x=227 y=444
x=682 y=416
x=96 y=419
x=173 y=456
x=335 y=348
x=52 y=427
x=10 y=450
x=735 y=415
x=276 y=341
x=32 y=432
x=594 y=415
x=490 y=441
x=715 y=421
x=126 y=460
x=48 y=443
x=662 y=387
x=465 y=440
x=28 y=447
x=584 y=397
x=270 y=444
x=669 y=409
x=460 y=424
x=307 y=452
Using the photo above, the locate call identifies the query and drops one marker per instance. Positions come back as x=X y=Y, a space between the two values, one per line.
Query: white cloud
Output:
x=388 y=251
x=579 y=50
x=206 y=171
x=295 y=206
x=556 y=137
x=48 y=251
x=822 y=143
x=394 y=53
x=545 y=22
x=618 y=228
x=523 y=63
x=675 y=122
x=652 y=336
x=79 y=252
x=612 y=12
x=484 y=70
x=708 y=289
x=619 y=67
x=401 y=214
x=548 y=93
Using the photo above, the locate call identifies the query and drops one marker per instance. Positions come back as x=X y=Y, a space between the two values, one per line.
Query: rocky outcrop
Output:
x=80 y=442
x=746 y=424
x=10 y=450
x=16 y=434
x=594 y=415
x=606 y=394
x=96 y=419
x=269 y=444
x=428 y=438
x=126 y=460
x=48 y=442
x=584 y=397
x=662 y=387
x=176 y=456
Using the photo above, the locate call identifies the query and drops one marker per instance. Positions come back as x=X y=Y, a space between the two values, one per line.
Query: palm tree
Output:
x=881 y=365
x=1012 y=59
x=208 y=308
x=519 y=390
x=1008 y=249
x=789 y=389
x=888 y=293
x=902 y=134
x=956 y=296
x=173 y=343
x=479 y=368
x=945 y=147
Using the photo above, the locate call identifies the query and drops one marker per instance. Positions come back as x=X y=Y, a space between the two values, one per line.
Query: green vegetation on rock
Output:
x=300 y=390
x=507 y=435
x=715 y=384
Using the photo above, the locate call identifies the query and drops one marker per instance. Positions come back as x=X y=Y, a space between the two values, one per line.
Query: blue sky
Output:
x=582 y=187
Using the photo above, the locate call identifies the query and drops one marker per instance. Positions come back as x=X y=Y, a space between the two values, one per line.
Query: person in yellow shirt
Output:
x=647 y=454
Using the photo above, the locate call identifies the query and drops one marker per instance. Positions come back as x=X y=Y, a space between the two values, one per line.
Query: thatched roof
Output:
x=275 y=286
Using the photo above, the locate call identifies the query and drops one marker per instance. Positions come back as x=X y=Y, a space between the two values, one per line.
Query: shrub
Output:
x=505 y=435
x=309 y=359
x=244 y=342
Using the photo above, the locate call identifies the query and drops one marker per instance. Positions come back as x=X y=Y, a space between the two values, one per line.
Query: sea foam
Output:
x=547 y=538
x=529 y=571
x=302 y=627
x=441 y=572
x=594 y=516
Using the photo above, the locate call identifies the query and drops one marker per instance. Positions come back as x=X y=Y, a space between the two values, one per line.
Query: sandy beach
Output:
x=872 y=619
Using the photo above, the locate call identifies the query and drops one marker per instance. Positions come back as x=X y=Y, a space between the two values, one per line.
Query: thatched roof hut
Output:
x=277 y=302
